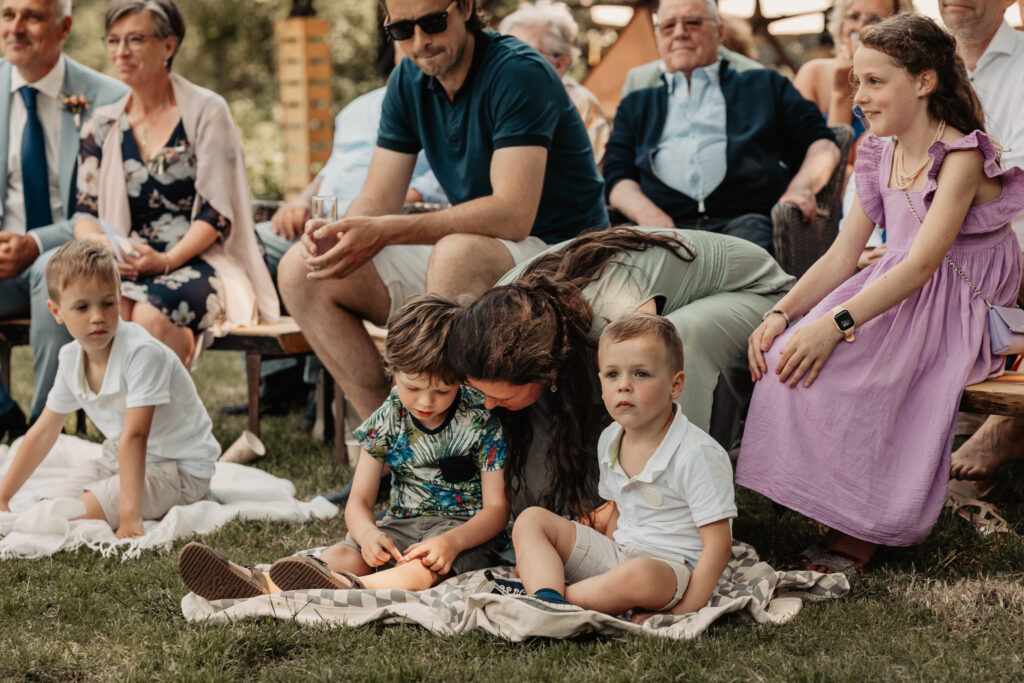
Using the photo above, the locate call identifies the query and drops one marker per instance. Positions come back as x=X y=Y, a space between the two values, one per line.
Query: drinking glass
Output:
x=325 y=210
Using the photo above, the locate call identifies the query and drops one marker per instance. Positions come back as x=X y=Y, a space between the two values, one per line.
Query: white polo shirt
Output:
x=686 y=484
x=141 y=371
x=998 y=82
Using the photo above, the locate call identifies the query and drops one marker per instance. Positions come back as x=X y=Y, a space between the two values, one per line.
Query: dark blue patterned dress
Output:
x=160 y=196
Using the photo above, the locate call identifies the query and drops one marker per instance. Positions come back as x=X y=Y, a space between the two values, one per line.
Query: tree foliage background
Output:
x=230 y=48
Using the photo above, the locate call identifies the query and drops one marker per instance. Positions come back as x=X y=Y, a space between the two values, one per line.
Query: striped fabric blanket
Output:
x=488 y=600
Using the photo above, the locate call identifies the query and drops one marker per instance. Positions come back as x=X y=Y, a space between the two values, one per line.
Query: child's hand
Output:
x=436 y=554
x=807 y=350
x=130 y=528
x=378 y=548
x=760 y=340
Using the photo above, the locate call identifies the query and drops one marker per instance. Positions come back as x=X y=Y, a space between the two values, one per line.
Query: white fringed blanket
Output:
x=39 y=528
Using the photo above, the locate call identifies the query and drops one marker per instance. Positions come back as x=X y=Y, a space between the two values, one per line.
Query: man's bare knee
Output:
x=466 y=264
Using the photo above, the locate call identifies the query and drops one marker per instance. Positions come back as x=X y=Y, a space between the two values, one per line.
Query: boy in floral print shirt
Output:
x=446 y=453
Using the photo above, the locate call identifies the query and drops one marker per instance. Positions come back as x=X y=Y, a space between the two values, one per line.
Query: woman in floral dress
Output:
x=152 y=174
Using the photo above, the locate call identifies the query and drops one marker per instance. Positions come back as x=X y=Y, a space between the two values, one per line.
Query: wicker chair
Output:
x=798 y=244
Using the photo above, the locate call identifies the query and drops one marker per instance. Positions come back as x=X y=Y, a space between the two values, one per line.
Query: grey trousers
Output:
x=25 y=297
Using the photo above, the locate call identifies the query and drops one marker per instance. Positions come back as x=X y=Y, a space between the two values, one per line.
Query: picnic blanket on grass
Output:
x=481 y=600
x=39 y=528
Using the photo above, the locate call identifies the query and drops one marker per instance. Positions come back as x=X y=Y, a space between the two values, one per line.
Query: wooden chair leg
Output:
x=340 y=449
x=5 y=365
x=253 y=361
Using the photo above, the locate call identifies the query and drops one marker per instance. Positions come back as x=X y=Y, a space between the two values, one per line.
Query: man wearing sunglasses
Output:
x=512 y=154
x=39 y=127
x=710 y=148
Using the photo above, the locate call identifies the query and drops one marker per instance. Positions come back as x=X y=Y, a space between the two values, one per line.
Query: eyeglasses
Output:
x=133 y=41
x=690 y=24
x=868 y=19
x=430 y=23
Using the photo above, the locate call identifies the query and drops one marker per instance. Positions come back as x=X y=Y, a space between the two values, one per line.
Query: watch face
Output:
x=844 y=321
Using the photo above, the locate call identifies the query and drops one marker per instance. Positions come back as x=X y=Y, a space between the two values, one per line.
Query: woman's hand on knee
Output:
x=806 y=352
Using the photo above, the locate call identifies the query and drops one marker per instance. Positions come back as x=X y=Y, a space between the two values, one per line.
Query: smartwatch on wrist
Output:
x=844 y=322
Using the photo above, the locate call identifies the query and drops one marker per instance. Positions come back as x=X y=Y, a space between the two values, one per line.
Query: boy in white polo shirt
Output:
x=669 y=537
x=159 y=450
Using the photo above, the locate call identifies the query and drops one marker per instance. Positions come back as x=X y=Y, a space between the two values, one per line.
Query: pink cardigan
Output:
x=221 y=179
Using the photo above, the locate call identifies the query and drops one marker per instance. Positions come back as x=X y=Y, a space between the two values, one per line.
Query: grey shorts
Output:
x=594 y=554
x=164 y=486
x=405 y=532
x=403 y=267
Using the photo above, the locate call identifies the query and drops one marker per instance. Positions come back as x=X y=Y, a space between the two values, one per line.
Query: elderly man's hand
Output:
x=289 y=220
x=17 y=252
x=803 y=199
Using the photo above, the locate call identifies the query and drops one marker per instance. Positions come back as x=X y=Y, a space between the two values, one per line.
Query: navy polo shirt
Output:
x=511 y=98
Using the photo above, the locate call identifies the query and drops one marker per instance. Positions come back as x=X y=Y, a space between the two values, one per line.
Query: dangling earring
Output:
x=553 y=387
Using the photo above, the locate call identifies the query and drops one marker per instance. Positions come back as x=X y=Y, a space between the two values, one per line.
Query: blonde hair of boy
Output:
x=417 y=333
x=80 y=260
x=641 y=324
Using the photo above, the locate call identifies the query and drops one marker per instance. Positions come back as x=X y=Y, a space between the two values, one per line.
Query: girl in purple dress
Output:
x=854 y=407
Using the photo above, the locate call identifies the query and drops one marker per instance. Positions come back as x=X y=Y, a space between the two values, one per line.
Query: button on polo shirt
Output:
x=511 y=98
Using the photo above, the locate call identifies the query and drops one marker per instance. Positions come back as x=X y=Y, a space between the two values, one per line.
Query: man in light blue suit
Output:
x=39 y=126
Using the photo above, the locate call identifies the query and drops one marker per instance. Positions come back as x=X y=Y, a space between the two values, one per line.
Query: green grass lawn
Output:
x=949 y=609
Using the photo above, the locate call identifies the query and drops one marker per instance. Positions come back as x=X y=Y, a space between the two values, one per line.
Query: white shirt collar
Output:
x=50 y=85
x=115 y=361
x=1004 y=41
x=710 y=71
x=662 y=456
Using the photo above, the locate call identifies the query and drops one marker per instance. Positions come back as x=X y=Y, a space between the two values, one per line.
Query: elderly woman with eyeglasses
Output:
x=162 y=182
x=826 y=82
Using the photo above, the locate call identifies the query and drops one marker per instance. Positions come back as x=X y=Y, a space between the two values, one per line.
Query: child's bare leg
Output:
x=543 y=543
x=408 y=576
x=411 y=576
x=639 y=582
x=93 y=509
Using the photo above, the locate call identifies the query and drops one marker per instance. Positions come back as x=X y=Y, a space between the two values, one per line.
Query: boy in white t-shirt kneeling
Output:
x=669 y=537
x=159 y=450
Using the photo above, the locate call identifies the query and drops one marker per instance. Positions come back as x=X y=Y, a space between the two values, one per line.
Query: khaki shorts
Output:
x=594 y=554
x=403 y=267
x=405 y=532
x=164 y=486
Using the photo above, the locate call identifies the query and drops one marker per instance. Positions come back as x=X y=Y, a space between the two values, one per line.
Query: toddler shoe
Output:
x=211 y=575
x=309 y=573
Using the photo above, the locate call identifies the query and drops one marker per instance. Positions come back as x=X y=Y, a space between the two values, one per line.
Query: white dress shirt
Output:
x=997 y=80
x=49 y=104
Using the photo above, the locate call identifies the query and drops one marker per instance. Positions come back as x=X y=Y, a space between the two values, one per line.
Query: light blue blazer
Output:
x=98 y=90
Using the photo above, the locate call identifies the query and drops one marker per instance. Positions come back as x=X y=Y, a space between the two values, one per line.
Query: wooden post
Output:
x=304 y=72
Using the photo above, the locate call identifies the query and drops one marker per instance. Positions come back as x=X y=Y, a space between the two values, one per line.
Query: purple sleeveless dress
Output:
x=865 y=450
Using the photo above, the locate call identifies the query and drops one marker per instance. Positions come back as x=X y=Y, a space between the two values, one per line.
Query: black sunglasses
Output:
x=430 y=23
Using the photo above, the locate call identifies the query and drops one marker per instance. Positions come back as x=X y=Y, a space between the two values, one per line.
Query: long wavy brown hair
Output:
x=917 y=44
x=537 y=330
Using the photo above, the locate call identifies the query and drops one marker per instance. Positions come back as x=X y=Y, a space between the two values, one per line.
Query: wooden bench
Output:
x=1000 y=396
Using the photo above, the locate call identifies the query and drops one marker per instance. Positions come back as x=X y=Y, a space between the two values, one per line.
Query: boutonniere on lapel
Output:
x=76 y=104
x=168 y=155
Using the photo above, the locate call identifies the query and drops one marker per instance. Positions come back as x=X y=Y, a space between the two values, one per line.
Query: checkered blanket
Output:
x=484 y=600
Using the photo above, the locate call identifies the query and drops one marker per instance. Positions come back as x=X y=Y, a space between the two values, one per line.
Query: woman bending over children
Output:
x=670 y=482
x=855 y=430
x=159 y=449
x=446 y=454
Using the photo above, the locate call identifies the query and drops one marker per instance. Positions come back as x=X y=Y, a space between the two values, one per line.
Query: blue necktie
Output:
x=34 y=174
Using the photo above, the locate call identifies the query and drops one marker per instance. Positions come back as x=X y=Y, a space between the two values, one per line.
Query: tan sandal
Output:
x=211 y=575
x=305 y=572
x=983 y=516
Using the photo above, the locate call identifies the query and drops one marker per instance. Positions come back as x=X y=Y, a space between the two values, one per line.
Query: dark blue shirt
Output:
x=511 y=98
x=768 y=127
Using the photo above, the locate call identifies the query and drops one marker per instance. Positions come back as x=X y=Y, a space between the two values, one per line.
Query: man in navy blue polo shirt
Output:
x=507 y=146
x=710 y=148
